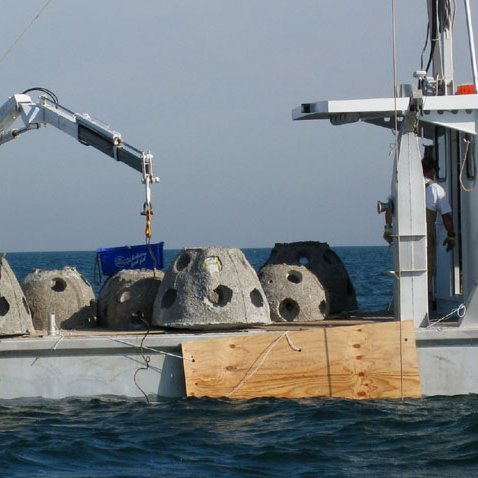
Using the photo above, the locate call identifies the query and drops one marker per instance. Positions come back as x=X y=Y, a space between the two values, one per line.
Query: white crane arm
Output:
x=81 y=126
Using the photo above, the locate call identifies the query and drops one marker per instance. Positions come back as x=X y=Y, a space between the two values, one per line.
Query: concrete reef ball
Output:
x=210 y=288
x=65 y=293
x=294 y=293
x=15 y=316
x=320 y=259
x=125 y=301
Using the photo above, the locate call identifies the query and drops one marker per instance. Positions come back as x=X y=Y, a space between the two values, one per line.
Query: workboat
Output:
x=432 y=111
x=421 y=348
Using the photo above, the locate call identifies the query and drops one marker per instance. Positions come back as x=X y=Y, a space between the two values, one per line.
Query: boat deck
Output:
x=349 y=319
x=339 y=320
x=250 y=362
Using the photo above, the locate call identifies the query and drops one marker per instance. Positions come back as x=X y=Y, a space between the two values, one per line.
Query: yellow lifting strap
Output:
x=148 y=213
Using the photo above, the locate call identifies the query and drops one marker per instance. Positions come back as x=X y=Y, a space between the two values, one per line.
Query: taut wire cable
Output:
x=463 y=164
x=394 y=54
x=24 y=32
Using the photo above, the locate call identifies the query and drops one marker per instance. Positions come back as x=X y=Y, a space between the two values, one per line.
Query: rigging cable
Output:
x=433 y=34
x=458 y=312
x=146 y=358
x=24 y=32
x=463 y=165
x=394 y=54
x=425 y=46
x=442 y=17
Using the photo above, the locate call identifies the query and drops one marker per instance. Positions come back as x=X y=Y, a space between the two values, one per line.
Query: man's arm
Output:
x=449 y=242
x=387 y=233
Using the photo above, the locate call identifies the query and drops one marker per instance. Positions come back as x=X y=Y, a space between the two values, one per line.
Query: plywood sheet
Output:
x=368 y=361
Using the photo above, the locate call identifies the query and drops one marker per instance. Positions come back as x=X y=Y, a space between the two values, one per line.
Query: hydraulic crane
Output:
x=83 y=127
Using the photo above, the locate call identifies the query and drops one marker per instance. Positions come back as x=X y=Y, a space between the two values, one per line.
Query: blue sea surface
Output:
x=106 y=438
x=117 y=437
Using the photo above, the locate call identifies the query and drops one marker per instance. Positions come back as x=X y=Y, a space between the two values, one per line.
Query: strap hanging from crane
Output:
x=148 y=212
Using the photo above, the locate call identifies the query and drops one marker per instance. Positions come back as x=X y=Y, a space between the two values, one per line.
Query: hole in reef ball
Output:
x=221 y=296
x=183 y=261
x=256 y=298
x=169 y=298
x=289 y=309
x=303 y=260
x=4 y=306
x=294 y=276
x=58 y=284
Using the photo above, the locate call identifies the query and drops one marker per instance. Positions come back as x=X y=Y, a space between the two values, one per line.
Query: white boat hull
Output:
x=55 y=367
x=88 y=365
x=447 y=360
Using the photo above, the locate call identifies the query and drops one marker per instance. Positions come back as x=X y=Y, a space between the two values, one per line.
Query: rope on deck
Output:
x=169 y=354
x=460 y=312
x=254 y=369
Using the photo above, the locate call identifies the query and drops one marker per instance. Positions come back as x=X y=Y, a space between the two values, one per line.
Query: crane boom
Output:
x=81 y=126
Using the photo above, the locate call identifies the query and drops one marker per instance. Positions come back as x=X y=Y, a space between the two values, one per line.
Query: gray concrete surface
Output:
x=294 y=293
x=210 y=288
x=125 y=301
x=15 y=316
x=63 y=292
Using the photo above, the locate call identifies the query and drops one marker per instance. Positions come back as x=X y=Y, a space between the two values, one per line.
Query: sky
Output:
x=208 y=87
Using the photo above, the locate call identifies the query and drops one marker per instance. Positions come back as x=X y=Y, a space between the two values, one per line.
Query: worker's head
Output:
x=429 y=167
x=429 y=164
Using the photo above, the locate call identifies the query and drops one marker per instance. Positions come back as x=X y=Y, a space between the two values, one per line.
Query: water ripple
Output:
x=263 y=438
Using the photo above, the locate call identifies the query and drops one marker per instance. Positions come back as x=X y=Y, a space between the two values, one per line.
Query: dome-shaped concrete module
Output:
x=210 y=288
x=65 y=293
x=320 y=259
x=294 y=293
x=15 y=316
x=125 y=301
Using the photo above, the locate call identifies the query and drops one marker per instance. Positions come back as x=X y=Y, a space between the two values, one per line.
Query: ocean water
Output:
x=108 y=437
x=104 y=438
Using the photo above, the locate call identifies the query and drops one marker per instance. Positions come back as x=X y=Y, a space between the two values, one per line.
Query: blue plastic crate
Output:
x=115 y=259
